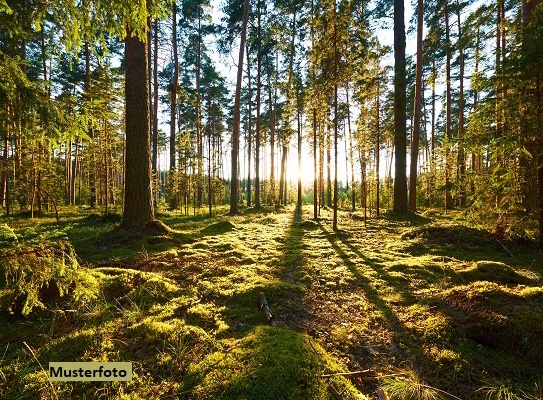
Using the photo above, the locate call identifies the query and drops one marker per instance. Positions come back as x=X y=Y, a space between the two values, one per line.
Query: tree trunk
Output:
x=250 y=134
x=416 y=127
x=315 y=147
x=461 y=157
x=334 y=223
x=299 y=163
x=156 y=172
x=92 y=166
x=173 y=110
x=448 y=200
x=237 y=116
x=257 y=133
x=138 y=200
x=377 y=156
x=400 y=184
x=199 y=134
x=353 y=191
x=328 y=162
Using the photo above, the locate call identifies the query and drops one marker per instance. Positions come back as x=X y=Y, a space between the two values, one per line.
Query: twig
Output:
x=365 y=372
x=441 y=391
x=334 y=392
x=505 y=248
x=43 y=370
x=265 y=307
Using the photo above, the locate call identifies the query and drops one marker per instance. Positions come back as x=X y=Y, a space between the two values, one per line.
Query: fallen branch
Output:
x=441 y=391
x=362 y=373
x=505 y=248
x=334 y=392
x=265 y=307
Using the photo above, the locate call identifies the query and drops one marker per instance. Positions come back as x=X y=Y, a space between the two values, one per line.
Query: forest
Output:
x=321 y=199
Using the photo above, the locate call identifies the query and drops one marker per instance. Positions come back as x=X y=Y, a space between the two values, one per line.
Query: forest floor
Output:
x=435 y=308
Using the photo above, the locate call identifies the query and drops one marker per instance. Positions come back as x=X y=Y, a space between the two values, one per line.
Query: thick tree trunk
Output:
x=237 y=116
x=416 y=127
x=400 y=184
x=138 y=200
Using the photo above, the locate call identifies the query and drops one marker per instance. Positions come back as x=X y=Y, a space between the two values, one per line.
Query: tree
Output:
x=400 y=184
x=237 y=115
x=138 y=199
x=417 y=108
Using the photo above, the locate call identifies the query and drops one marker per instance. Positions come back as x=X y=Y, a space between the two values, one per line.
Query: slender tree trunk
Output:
x=173 y=110
x=400 y=184
x=92 y=166
x=106 y=172
x=257 y=133
x=138 y=199
x=432 y=155
x=156 y=171
x=250 y=134
x=237 y=116
x=334 y=224
x=272 y=142
x=315 y=147
x=416 y=127
x=461 y=157
x=351 y=157
x=448 y=137
x=328 y=162
x=377 y=149
x=199 y=114
x=321 y=166
x=299 y=162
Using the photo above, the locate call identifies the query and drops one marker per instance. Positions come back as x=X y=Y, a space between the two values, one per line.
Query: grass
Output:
x=428 y=301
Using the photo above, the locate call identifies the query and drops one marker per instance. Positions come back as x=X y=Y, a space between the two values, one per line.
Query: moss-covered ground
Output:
x=435 y=308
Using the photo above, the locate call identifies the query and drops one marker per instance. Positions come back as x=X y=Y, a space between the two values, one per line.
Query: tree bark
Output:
x=156 y=172
x=249 y=134
x=138 y=200
x=173 y=110
x=448 y=137
x=400 y=184
x=237 y=116
x=334 y=223
x=461 y=155
x=416 y=127
x=257 y=133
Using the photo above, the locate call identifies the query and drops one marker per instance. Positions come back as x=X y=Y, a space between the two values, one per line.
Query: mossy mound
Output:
x=218 y=228
x=449 y=235
x=493 y=272
x=497 y=317
x=268 y=363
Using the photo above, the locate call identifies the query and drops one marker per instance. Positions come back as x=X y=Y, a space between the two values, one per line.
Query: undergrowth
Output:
x=431 y=304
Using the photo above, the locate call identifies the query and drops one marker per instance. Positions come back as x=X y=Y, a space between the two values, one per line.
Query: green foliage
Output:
x=36 y=276
x=7 y=236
